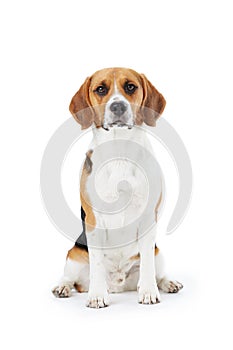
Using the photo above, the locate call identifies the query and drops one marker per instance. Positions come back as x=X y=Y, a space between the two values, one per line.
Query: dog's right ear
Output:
x=80 y=106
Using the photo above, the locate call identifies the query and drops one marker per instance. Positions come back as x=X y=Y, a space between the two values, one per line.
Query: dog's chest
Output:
x=121 y=179
x=120 y=193
x=119 y=185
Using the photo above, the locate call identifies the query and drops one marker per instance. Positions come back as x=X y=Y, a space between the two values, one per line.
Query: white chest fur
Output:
x=119 y=186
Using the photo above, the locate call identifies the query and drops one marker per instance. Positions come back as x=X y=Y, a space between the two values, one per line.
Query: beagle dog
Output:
x=117 y=249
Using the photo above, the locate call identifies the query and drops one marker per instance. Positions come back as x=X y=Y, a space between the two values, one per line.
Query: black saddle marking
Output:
x=81 y=241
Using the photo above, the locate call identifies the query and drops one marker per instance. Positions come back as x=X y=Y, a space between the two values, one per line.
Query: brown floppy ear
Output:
x=80 y=106
x=153 y=103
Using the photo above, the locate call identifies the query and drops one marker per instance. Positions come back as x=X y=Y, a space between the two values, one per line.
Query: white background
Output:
x=47 y=50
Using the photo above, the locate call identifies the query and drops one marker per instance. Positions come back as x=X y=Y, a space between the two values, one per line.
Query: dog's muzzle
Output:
x=118 y=113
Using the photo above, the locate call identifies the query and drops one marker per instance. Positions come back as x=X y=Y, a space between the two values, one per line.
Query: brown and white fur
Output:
x=115 y=97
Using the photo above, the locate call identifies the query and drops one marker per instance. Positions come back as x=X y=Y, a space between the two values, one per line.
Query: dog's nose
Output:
x=118 y=108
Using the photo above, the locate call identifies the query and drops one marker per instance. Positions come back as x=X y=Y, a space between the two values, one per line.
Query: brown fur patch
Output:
x=90 y=219
x=80 y=106
x=79 y=288
x=88 y=161
x=135 y=257
x=78 y=254
x=153 y=101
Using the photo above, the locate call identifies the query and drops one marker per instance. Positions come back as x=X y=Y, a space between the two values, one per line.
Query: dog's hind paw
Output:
x=63 y=291
x=169 y=286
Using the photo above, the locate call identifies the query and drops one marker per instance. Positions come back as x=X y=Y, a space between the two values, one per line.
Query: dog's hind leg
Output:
x=164 y=284
x=76 y=274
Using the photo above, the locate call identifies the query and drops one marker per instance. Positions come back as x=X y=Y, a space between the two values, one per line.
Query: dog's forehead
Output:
x=109 y=75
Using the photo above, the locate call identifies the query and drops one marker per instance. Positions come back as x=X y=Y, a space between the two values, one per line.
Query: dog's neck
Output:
x=136 y=134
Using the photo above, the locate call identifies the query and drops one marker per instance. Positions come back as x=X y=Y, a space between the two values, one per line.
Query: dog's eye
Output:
x=130 y=88
x=101 y=90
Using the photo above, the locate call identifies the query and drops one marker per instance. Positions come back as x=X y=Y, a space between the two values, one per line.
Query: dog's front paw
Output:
x=148 y=295
x=63 y=291
x=97 y=301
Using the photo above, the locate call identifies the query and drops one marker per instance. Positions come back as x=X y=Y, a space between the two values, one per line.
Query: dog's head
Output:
x=117 y=96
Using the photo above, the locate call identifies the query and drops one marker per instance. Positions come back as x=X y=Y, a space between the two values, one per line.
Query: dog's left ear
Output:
x=153 y=103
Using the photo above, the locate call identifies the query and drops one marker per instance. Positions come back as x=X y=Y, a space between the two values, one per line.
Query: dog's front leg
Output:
x=148 y=292
x=98 y=290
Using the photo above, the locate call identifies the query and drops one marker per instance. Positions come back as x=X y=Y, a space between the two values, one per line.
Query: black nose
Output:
x=118 y=108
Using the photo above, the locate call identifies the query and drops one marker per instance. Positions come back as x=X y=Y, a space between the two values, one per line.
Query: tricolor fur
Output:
x=116 y=101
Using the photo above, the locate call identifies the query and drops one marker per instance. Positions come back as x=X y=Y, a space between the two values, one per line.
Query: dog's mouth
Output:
x=117 y=123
